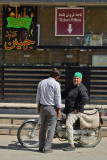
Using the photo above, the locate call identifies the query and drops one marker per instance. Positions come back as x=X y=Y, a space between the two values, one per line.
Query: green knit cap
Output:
x=78 y=74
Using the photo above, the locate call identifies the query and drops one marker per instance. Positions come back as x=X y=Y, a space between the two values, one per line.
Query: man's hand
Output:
x=38 y=108
x=59 y=112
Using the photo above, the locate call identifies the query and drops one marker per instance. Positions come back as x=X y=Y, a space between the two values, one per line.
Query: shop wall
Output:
x=46 y=19
x=0 y=31
x=95 y=23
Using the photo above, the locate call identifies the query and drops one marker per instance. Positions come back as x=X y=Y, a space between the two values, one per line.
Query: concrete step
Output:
x=18 y=108
x=9 y=123
x=18 y=105
x=30 y=108
x=104 y=131
x=13 y=114
x=33 y=105
x=9 y=126
x=17 y=116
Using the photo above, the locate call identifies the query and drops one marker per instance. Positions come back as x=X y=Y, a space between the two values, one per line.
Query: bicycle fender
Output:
x=30 y=120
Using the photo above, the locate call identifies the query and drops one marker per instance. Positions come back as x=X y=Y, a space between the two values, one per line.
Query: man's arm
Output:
x=82 y=99
x=57 y=95
x=58 y=99
x=38 y=108
x=59 y=112
x=38 y=98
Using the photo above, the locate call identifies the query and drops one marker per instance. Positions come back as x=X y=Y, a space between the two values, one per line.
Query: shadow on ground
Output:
x=16 y=146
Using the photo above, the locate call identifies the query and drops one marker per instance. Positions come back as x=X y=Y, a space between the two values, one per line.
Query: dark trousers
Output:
x=48 y=115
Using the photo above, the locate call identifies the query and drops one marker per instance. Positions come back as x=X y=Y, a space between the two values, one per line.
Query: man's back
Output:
x=49 y=91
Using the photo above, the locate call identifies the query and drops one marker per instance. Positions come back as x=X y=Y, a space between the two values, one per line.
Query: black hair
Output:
x=55 y=72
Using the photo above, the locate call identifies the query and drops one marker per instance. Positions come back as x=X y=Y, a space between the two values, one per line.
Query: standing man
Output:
x=76 y=97
x=48 y=100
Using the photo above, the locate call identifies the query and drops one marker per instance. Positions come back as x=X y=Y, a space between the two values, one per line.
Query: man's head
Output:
x=77 y=78
x=55 y=73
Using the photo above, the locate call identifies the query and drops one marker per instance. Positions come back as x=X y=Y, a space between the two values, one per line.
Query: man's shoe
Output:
x=48 y=151
x=40 y=150
x=69 y=149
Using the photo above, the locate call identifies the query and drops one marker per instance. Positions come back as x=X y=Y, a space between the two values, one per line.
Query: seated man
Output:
x=75 y=97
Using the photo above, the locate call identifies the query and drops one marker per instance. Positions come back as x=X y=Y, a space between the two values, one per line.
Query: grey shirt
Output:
x=49 y=92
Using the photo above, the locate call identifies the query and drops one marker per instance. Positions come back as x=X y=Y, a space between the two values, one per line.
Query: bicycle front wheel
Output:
x=28 y=135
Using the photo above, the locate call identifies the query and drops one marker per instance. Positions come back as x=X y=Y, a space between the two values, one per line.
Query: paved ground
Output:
x=10 y=149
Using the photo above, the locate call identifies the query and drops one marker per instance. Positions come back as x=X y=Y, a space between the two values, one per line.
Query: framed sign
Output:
x=20 y=29
x=69 y=22
x=96 y=40
x=99 y=60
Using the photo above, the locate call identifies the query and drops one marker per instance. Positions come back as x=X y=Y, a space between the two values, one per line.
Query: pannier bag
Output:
x=89 y=119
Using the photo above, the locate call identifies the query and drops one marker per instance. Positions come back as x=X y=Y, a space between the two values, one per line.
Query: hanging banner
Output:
x=69 y=22
x=19 y=28
x=19 y=23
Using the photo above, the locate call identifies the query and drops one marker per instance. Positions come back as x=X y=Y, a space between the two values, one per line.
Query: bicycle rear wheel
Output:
x=92 y=138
